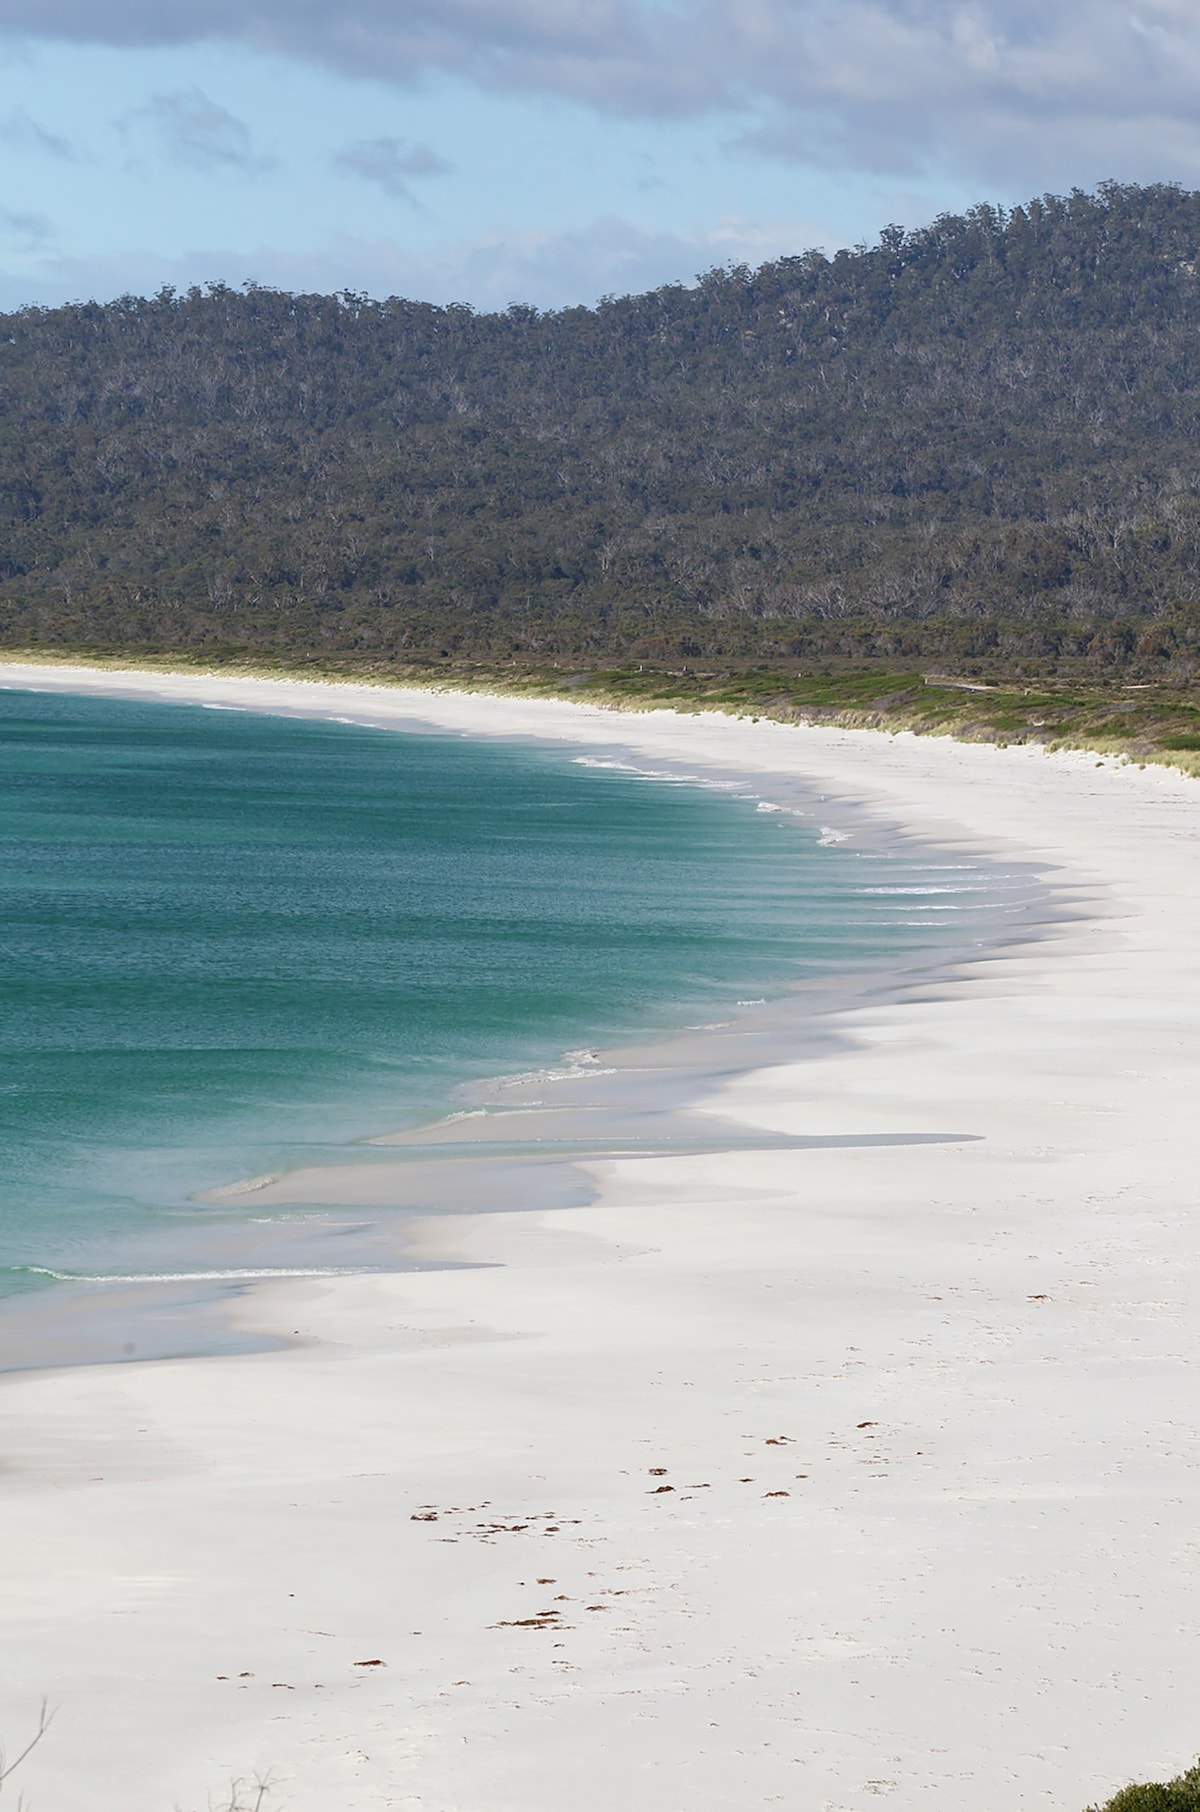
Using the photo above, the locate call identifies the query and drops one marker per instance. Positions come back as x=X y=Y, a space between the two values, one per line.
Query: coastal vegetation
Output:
x=969 y=449
x=1136 y=721
x=1179 y=1795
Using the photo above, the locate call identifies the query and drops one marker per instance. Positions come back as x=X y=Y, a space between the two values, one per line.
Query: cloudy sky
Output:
x=549 y=151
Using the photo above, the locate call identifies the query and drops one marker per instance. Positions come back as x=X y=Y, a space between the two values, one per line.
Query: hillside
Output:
x=975 y=442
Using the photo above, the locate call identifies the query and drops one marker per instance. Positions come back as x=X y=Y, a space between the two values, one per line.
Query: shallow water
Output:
x=235 y=943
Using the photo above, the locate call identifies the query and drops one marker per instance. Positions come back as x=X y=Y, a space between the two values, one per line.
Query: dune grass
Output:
x=1141 y=722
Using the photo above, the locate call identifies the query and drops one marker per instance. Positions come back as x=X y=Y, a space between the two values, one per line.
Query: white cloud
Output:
x=391 y=164
x=27 y=232
x=195 y=130
x=1010 y=91
x=22 y=132
x=551 y=270
x=1013 y=92
x=607 y=257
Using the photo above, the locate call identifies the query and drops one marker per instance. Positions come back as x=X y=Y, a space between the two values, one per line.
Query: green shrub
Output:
x=1179 y=1795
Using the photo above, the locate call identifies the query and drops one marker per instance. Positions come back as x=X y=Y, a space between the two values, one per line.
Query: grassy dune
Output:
x=1144 y=722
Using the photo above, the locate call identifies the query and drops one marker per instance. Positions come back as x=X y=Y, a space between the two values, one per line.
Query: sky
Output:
x=550 y=151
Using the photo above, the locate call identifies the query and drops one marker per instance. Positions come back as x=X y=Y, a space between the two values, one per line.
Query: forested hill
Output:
x=981 y=438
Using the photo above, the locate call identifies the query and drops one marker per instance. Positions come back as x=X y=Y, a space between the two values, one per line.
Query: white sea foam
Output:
x=525 y=1077
x=829 y=835
x=664 y=776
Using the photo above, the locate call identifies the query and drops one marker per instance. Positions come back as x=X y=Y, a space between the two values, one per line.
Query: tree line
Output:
x=975 y=439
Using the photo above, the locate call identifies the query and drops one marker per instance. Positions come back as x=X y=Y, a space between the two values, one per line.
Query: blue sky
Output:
x=548 y=151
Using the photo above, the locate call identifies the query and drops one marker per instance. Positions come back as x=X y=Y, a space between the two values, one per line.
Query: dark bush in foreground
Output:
x=1179 y=1795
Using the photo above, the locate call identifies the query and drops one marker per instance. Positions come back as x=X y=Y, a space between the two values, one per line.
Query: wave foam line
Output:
x=670 y=778
x=232 y=1276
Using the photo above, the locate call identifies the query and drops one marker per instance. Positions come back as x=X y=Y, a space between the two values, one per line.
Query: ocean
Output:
x=235 y=943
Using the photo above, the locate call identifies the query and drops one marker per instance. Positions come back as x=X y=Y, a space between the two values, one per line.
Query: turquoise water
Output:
x=233 y=941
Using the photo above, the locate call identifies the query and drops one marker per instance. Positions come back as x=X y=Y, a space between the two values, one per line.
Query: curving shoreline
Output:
x=903 y=907
x=979 y=1357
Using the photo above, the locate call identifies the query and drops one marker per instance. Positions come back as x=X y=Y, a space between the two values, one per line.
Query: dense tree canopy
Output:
x=979 y=436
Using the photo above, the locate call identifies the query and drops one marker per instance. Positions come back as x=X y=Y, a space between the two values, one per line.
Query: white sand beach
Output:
x=828 y=1479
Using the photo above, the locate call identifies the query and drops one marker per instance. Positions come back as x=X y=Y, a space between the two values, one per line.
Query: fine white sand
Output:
x=928 y=1412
